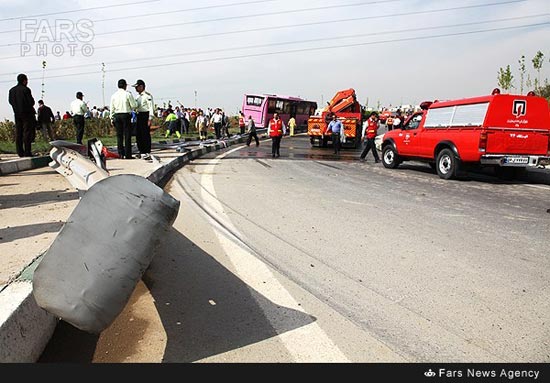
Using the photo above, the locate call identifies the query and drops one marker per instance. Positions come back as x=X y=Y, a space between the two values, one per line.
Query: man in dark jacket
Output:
x=22 y=102
x=46 y=119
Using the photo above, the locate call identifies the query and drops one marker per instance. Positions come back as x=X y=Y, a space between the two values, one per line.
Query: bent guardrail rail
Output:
x=89 y=272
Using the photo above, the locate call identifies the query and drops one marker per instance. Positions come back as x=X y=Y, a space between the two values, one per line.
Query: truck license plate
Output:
x=516 y=160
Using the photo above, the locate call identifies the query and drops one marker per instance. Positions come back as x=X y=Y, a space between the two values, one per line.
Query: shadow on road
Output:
x=36 y=199
x=10 y=234
x=217 y=311
x=531 y=176
x=204 y=308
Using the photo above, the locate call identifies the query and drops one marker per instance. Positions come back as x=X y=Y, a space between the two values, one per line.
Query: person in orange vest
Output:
x=370 y=135
x=276 y=130
x=242 y=123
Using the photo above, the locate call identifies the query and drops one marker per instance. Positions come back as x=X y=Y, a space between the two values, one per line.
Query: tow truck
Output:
x=348 y=110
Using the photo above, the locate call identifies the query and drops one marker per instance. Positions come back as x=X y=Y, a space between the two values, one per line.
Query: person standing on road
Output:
x=398 y=120
x=252 y=132
x=242 y=124
x=172 y=124
x=372 y=129
x=46 y=119
x=335 y=126
x=292 y=125
x=225 y=125
x=185 y=121
x=201 y=124
x=389 y=122
x=276 y=130
x=217 y=120
x=78 y=110
x=122 y=104
x=145 y=109
x=22 y=102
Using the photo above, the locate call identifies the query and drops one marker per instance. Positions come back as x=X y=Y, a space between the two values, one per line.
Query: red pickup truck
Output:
x=503 y=131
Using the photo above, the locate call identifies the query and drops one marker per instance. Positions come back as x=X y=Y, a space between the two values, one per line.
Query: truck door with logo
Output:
x=409 y=135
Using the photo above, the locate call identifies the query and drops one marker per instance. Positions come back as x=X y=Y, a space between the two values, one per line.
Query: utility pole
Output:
x=195 y=99
x=43 y=74
x=103 y=82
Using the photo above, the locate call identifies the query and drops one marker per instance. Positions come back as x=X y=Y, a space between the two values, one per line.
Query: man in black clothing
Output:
x=46 y=119
x=22 y=102
x=252 y=132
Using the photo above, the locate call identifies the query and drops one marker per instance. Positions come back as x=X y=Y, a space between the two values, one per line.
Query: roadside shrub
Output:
x=65 y=129
x=7 y=131
x=95 y=127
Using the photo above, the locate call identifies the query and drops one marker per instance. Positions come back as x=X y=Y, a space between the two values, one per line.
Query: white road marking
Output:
x=306 y=343
x=537 y=186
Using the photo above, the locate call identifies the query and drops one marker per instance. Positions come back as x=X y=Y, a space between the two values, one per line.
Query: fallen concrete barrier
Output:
x=90 y=271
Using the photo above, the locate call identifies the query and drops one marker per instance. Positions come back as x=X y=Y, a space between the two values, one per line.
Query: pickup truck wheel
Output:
x=390 y=158
x=447 y=164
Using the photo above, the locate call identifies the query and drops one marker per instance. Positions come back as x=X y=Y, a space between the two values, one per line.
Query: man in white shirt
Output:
x=217 y=121
x=78 y=110
x=122 y=104
x=145 y=110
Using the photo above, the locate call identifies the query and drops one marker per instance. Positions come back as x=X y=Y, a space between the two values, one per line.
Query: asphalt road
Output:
x=316 y=257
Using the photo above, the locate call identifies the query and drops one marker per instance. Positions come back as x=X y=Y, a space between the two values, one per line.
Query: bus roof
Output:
x=283 y=97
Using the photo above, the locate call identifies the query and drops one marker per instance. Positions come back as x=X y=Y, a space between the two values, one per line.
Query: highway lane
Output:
x=316 y=257
x=436 y=270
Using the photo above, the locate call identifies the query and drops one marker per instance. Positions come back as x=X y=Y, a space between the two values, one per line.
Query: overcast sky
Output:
x=390 y=52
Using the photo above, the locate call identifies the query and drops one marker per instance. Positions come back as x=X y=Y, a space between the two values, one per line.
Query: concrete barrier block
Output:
x=25 y=328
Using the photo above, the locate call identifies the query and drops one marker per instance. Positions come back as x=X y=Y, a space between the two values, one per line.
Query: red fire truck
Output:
x=504 y=131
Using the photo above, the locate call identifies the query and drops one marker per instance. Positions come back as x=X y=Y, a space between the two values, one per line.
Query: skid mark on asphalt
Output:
x=307 y=343
x=263 y=164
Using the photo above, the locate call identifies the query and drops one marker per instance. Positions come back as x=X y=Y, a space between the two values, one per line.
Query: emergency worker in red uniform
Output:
x=276 y=129
x=242 y=124
x=370 y=135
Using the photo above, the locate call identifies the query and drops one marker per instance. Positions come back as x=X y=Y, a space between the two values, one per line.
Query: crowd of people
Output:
x=132 y=116
x=180 y=120
x=129 y=115
x=395 y=120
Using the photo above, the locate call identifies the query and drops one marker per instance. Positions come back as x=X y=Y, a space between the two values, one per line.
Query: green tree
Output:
x=522 y=71
x=537 y=61
x=505 y=78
